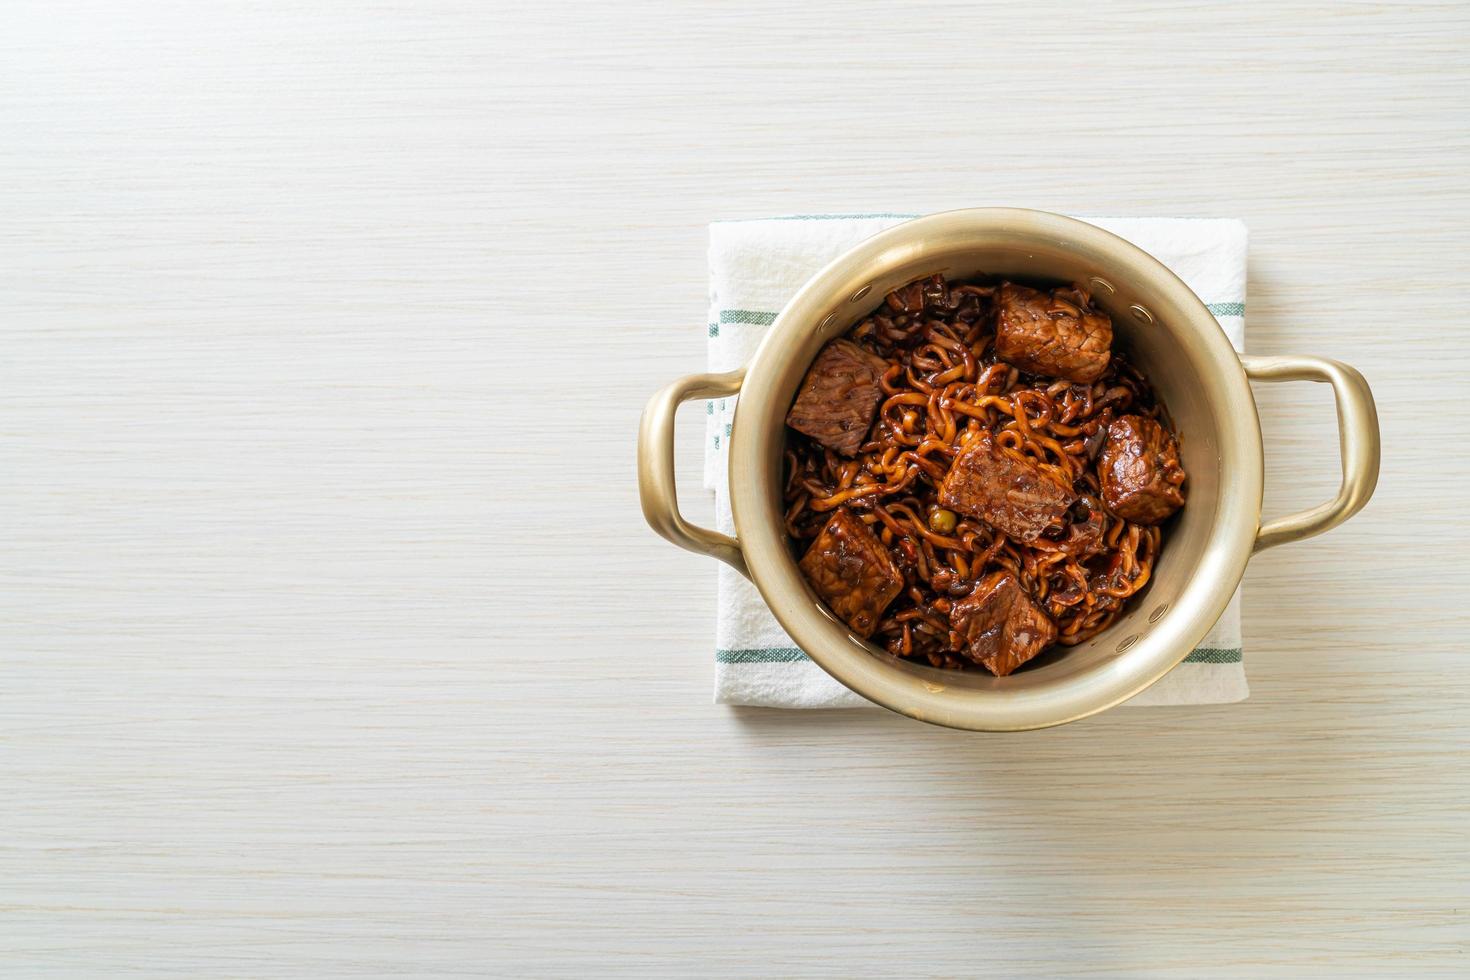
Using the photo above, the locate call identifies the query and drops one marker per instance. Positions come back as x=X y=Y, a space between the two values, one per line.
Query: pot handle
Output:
x=656 y=467
x=1357 y=432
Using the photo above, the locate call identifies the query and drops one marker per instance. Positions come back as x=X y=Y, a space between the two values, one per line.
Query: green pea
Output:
x=943 y=521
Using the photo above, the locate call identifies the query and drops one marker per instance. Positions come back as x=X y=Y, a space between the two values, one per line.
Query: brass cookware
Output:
x=1171 y=336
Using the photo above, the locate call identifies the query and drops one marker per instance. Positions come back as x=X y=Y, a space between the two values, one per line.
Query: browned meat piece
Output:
x=853 y=573
x=838 y=397
x=999 y=626
x=1140 y=471
x=1007 y=492
x=1057 y=334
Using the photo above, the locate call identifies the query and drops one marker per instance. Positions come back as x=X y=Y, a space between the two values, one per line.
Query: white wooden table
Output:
x=332 y=642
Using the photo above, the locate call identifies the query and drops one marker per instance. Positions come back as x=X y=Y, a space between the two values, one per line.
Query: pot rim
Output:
x=995 y=705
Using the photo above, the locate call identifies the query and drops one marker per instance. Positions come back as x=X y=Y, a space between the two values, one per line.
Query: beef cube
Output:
x=999 y=626
x=1140 y=472
x=1010 y=493
x=853 y=573
x=1056 y=334
x=838 y=397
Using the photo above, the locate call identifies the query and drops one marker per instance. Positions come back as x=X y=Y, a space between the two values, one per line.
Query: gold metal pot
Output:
x=1171 y=336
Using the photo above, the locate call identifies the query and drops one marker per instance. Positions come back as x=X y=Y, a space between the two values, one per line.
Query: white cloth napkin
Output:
x=755 y=267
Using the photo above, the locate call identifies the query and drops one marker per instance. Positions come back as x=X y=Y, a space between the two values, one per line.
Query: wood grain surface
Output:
x=332 y=642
